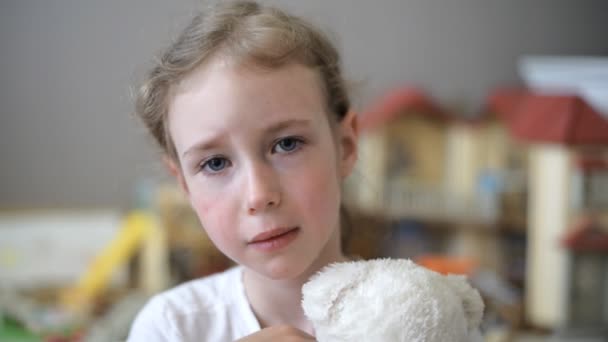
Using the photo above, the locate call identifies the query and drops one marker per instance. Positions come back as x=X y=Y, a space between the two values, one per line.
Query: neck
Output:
x=278 y=301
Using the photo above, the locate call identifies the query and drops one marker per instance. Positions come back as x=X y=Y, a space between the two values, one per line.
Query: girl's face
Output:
x=262 y=164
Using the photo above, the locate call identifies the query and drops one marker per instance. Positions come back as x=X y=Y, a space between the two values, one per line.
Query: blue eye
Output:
x=287 y=145
x=215 y=164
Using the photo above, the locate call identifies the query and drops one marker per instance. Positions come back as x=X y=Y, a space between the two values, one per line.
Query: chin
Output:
x=285 y=269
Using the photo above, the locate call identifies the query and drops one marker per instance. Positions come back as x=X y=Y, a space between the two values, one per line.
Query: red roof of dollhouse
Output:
x=565 y=119
x=401 y=101
x=586 y=237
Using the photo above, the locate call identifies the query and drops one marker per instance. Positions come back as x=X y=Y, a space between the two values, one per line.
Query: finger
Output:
x=287 y=330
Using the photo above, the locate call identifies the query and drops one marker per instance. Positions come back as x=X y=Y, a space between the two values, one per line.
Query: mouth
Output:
x=274 y=239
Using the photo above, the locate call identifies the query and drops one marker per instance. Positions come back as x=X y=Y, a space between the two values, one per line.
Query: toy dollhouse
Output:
x=565 y=136
x=419 y=162
x=535 y=161
x=587 y=296
x=402 y=142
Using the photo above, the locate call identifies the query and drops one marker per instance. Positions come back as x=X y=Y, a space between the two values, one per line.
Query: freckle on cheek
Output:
x=202 y=210
x=212 y=216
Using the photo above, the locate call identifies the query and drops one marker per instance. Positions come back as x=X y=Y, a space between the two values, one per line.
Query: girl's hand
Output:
x=278 y=333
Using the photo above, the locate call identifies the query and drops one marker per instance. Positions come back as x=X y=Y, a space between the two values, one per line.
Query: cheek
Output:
x=320 y=193
x=215 y=216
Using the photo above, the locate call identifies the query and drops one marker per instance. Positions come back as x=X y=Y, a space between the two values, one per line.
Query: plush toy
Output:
x=389 y=300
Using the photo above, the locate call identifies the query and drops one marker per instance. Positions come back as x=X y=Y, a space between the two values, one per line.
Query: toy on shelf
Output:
x=139 y=229
x=587 y=294
x=419 y=162
x=564 y=137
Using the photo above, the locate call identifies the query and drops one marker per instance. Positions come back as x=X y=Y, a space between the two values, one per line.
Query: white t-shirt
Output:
x=213 y=308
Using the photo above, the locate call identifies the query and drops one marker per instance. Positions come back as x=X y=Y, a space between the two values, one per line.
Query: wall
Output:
x=66 y=66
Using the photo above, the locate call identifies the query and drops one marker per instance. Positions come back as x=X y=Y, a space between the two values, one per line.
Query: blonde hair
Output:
x=248 y=33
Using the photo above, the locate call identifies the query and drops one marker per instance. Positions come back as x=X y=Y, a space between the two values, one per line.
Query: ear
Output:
x=176 y=171
x=349 y=134
x=472 y=303
x=324 y=293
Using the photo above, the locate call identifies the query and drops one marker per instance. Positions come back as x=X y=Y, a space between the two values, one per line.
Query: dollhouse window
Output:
x=400 y=161
x=596 y=189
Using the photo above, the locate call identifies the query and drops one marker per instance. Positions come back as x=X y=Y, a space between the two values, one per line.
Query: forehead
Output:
x=221 y=96
x=227 y=75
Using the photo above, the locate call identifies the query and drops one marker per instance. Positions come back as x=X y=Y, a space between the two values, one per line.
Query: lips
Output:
x=271 y=234
x=274 y=240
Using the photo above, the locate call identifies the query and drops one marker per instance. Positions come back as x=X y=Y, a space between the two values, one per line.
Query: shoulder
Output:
x=189 y=307
x=200 y=295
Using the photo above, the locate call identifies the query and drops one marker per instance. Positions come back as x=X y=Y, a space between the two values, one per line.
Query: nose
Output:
x=263 y=189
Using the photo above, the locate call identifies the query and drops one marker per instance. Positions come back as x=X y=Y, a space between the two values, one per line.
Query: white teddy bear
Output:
x=390 y=300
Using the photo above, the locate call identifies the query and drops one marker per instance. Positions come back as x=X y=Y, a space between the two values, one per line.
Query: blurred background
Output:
x=484 y=151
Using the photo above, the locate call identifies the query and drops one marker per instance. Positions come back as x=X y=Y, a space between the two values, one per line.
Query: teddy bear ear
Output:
x=323 y=291
x=472 y=304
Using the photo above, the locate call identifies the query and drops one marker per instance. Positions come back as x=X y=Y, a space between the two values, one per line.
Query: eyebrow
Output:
x=276 y=127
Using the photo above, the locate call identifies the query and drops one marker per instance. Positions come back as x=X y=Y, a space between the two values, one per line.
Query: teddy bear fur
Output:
x=390 y=300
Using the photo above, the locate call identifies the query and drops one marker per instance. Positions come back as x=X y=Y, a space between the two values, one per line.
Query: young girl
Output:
x=250 y=108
